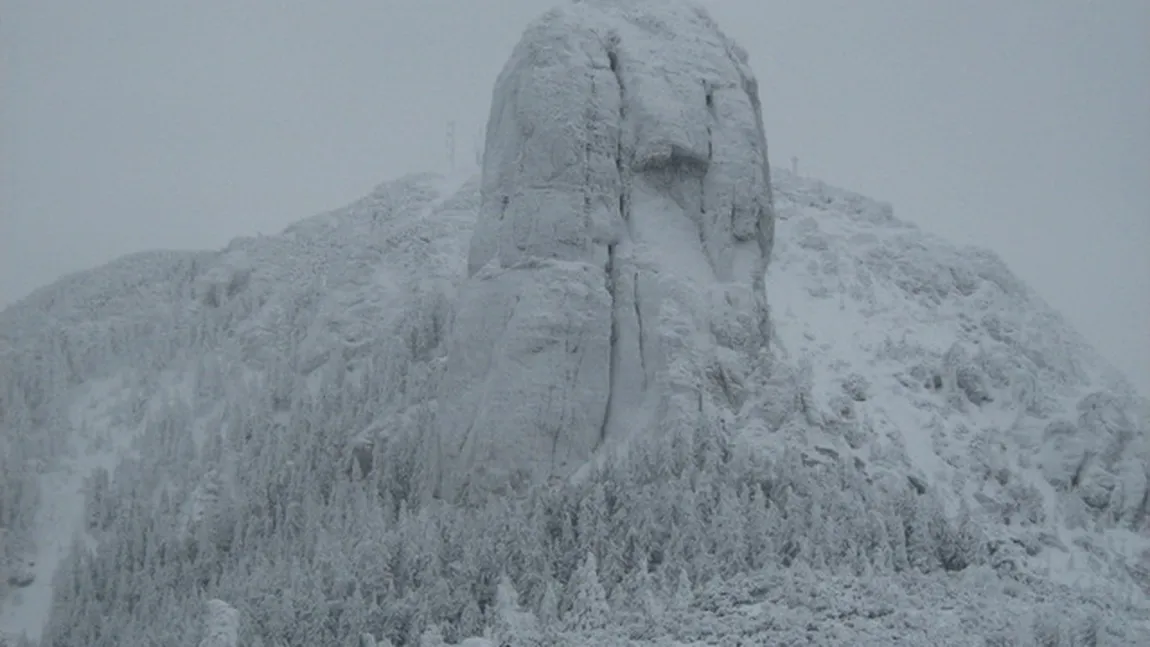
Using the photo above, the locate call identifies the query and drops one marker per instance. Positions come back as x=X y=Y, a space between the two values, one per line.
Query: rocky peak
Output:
x=625 y=227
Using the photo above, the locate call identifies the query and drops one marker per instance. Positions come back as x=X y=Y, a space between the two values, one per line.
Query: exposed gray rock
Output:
x=616 y=272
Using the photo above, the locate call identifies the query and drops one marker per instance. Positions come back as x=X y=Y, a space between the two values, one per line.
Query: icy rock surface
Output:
x=618 y=258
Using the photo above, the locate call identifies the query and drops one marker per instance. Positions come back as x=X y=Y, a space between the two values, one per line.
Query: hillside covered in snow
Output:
x=627 y=385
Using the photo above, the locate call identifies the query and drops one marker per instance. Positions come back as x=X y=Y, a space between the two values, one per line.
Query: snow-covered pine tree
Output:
x=682 y=595
x=470 y=618
x=921 y=549
x=961 y=542
x=638 y=593
x=757 y=528
x=728 y=533
x=593 y=523
x=587 y=608
x=432 y=637
x=512 y=625
x=878 y=548
x=548 y=611
x=221 y=625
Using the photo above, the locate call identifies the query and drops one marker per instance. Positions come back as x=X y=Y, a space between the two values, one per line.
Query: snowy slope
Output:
x=938 y=361
x=80 y=356
x=944 y=355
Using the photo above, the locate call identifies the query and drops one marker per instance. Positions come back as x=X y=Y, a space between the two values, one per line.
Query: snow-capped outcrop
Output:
x=618 y=258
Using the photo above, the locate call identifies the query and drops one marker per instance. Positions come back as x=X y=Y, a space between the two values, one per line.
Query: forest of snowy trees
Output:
x=317 y=537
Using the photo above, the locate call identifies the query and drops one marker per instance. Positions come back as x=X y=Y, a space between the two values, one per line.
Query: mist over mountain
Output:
x=627 y=385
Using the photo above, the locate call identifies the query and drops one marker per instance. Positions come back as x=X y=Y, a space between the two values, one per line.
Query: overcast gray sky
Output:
x=1021 y=125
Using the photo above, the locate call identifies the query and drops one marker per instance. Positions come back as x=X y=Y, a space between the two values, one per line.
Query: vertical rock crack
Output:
x=612 y=268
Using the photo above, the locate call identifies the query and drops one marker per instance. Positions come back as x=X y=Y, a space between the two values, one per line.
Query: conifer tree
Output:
x=728 y=533
x=757 y=528
x=961 y=542
x=221 y=625
x=880 y=551
x=511 y=624
x=432 y=637
x=548 y=612
x=587 y=602
x=641 y=592
x=921 y=550
x=470 y=618
x=683 y=595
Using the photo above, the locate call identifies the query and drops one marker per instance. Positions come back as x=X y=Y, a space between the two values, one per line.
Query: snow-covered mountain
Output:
x=562 y=401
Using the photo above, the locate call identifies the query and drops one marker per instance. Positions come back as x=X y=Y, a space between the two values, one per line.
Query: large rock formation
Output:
x=615 y=276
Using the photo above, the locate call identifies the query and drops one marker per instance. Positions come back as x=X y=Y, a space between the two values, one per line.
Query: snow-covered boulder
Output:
x=616 y=268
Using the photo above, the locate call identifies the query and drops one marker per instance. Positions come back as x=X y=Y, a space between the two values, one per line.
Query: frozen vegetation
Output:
x=549 y=405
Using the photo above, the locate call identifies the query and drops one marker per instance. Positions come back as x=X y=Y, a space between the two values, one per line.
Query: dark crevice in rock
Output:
x=639 y=325
x=613 y=59
x=675 y=161
x=465 y=438
x=765 y=219
x=556 y=431
x=612 y=268
x=587 y=145
x=1080 y=470
x=917 y=483
x=703 y=225
x=614 y=358
x=1142 y=510
x=724 y=383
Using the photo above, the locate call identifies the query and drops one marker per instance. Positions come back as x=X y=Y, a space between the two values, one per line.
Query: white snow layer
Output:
x=624 y=229
x=622 y=226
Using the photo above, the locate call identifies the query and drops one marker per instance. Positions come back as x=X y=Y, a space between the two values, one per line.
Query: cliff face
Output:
x=618 y=259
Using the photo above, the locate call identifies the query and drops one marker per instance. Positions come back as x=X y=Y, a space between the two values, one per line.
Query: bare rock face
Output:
x=615 y=275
